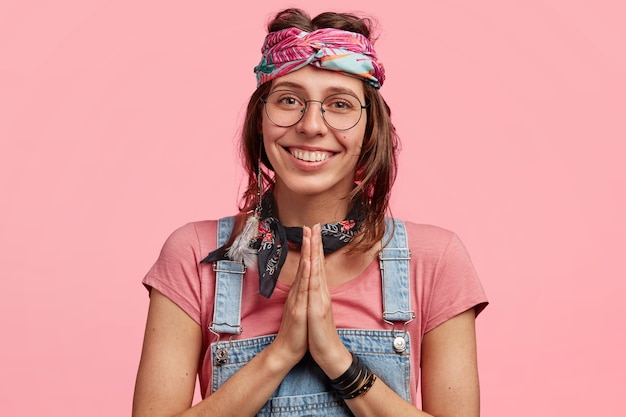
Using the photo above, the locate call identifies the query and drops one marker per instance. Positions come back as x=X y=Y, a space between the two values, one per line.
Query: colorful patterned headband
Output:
x=290 y=49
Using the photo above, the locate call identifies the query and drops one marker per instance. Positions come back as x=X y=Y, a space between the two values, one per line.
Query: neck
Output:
x=307 y=210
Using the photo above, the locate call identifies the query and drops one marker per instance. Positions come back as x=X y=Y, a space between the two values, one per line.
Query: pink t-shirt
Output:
x=443 y=284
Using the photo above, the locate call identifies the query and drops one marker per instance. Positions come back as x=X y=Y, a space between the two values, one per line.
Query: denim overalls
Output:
x=306 y=391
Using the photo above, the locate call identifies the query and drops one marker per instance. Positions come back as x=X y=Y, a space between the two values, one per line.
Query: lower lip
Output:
x=306 y=165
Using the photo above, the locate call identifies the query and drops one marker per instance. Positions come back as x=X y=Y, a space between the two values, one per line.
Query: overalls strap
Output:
x=228 y=286
x=394 y=269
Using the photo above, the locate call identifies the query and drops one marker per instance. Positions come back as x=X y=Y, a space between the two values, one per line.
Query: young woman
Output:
x=309 y=301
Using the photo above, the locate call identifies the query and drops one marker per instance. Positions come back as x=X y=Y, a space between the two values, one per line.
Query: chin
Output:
x=302 y=187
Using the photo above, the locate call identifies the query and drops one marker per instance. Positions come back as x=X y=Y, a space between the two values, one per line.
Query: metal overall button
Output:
x=399 y=344
x=221 y=356
x=221 y=353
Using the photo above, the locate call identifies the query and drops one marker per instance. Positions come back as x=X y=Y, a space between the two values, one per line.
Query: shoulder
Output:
x=176 y=273
x=427 y=231
x=191 y=239
x=444 y=270
x=436 y=246
x=428 y=238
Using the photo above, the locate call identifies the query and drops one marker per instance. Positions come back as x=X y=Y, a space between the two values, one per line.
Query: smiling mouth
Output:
x=310 y=156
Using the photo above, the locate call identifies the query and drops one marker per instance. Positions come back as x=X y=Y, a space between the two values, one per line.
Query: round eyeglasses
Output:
x=341 y=111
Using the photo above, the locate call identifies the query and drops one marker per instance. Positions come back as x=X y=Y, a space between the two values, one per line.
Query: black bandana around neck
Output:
x=272 y=240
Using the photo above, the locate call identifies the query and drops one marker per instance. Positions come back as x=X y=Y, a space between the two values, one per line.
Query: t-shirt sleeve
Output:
x=176 y=274
x=456 y=286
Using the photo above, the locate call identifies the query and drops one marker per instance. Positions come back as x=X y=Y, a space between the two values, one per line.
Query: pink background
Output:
x=118 y=123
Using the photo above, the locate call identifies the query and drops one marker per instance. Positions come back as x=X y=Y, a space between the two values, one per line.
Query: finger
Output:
x=315 y=283
x=300 y=286
x=320 y=243
x=318 y=270
x=304 y=265
x=305 y=250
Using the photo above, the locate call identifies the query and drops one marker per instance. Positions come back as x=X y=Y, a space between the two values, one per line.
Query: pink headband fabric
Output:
x=290 y=49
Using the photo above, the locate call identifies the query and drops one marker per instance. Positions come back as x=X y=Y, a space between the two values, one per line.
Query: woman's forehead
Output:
x=314 y=81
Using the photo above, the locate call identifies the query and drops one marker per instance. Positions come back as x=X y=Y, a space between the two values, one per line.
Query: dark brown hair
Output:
x=376 y=167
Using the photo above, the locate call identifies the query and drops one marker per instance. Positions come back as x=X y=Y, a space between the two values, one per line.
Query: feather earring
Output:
x=240 y=251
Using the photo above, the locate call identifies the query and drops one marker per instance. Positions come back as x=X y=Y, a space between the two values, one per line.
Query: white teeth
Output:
x=310 y=156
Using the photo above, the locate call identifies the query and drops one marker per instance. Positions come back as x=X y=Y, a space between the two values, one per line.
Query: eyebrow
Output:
x=296 y=86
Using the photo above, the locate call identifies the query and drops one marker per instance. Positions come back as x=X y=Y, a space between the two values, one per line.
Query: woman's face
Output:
x=310 y=157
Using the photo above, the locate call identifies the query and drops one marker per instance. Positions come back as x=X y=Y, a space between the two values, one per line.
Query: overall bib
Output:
x=306 y=391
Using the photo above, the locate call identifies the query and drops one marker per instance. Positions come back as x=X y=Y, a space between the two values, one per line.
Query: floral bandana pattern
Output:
x=272 y=240
x=290 y=49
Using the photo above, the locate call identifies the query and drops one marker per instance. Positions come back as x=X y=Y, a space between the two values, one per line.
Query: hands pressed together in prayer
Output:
x=307 y=322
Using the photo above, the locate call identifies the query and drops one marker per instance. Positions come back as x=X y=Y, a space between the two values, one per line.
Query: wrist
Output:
x=335 y=365
x=355 y=381
x=279 y=361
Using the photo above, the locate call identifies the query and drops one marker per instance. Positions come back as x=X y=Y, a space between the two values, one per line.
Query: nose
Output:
x=312 y=122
